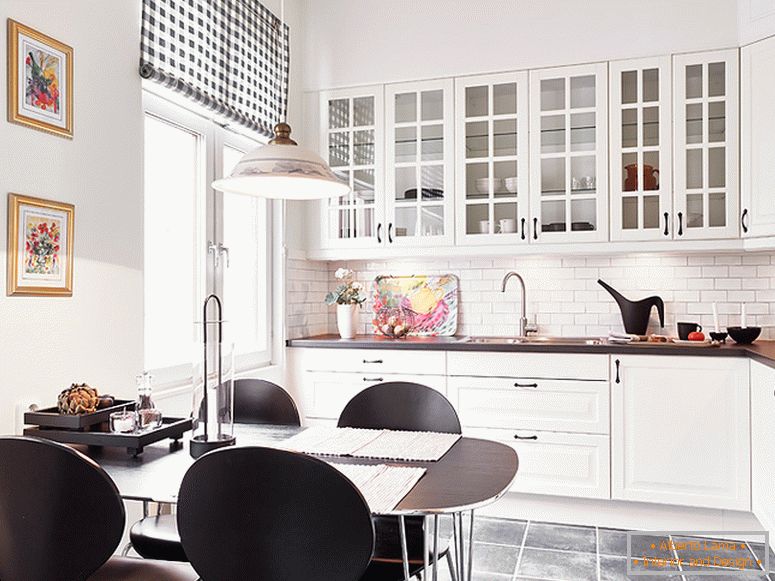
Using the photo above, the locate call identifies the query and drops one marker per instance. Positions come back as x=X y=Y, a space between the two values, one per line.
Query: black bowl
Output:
x=744 y=335
x=719 y=336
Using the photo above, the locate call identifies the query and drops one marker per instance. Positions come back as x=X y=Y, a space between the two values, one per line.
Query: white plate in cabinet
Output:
x=528 y=365
x=375 y=361
x=531 y=404
x=324 y=393
x=556 y=463
x=680 y=431
x=763 y=445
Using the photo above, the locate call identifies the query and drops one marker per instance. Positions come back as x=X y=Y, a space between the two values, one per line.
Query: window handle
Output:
x=218 y=250
x=224 y=250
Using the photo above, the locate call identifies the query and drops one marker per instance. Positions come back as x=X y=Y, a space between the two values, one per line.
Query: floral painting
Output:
x=427 y=304
x=42 y=71
x=40 y=245
x=40 y=75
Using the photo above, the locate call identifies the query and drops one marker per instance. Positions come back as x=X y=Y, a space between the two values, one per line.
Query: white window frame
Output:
x=209 y=224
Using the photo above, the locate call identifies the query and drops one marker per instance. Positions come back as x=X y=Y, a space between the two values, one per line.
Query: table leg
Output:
x=461 y=552
x=435 y=548
x=455 y=546
x=471 y=547
x=404 y=549
x=426 y=547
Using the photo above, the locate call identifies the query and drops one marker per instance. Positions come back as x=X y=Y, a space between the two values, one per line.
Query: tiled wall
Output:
x=563 y=296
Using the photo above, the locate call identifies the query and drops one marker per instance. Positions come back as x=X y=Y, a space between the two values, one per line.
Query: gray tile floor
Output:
x=513 y=550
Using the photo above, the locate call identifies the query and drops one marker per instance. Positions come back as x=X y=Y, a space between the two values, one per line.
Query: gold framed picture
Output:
x=40 y=81
x=40 y=247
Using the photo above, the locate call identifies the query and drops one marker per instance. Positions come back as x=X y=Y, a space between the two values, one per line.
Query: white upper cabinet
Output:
x=419 y=179
x=757 y=92
x=706 y=147
x=491 y=164
x=641 y=183
x=569 y=154
x=352 y=141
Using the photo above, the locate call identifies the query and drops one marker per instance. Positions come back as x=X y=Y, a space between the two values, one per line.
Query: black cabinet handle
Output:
x=535 y=228
x=372 y=361
x=533 y=385
x=680 y=223
x=523 y=228
x=667 y=217
x=372 y=379
x=390 y=232
x=518 y=437
x=618 y=363
x=379 y=233
x=742 y=220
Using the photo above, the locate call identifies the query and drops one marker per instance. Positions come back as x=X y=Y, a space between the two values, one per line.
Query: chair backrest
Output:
x=61 y=516
x=401 y=405
x=262 y=402
x=261 y=513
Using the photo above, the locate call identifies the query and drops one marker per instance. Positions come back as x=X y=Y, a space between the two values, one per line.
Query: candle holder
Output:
x=213 y=409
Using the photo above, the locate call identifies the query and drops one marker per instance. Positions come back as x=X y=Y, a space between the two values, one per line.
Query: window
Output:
x=198 y=241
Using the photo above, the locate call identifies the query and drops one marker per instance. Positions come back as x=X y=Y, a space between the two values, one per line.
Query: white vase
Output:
x=345 y=320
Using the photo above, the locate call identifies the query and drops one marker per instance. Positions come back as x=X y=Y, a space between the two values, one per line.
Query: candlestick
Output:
x=715 y=318
x=742 y=316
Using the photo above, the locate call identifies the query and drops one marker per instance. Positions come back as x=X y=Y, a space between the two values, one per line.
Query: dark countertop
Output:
x=762 y=351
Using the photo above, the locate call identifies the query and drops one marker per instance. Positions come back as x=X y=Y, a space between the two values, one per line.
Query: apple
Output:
x=696 y=336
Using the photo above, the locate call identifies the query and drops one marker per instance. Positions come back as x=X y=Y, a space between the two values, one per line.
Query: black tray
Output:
x=172 y=428
x=51 y=418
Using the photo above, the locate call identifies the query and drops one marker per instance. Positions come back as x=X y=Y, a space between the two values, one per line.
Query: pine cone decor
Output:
x=78 y=399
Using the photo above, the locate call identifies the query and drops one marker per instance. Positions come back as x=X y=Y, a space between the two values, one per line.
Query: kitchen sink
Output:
x=539 y=339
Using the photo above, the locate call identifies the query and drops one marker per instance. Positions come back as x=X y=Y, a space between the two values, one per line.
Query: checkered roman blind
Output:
x=230 y=56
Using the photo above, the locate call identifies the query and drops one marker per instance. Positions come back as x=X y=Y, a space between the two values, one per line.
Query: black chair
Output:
x=261 y=513
x=399 y=405
x=256 y=401
x=62 y=518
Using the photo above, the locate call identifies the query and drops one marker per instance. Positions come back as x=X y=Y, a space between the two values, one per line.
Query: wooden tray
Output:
x=51 y=418
x=172 y=428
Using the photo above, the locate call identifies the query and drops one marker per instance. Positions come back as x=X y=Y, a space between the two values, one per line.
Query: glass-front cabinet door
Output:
x=569 y=154
x=640 y=111
x=419 y=178
x=706 y=144
x=491 y=164
x=352 y=141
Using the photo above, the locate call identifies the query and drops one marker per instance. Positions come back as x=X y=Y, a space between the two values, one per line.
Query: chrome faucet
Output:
x=524 y=328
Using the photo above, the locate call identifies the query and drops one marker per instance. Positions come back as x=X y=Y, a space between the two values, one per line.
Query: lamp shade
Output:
x=283 y=170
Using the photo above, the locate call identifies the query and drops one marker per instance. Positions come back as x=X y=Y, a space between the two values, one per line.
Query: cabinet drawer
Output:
x=324 y=393
x=540 y=404
x=375 y=360
x=556 y=463
x=529 y=365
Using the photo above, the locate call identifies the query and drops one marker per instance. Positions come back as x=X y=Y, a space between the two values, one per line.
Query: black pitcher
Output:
x=636 y=314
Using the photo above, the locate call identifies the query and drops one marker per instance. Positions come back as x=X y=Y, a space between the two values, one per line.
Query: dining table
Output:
x=472 y=474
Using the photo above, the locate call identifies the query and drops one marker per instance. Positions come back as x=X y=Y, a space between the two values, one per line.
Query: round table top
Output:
x=472 y=474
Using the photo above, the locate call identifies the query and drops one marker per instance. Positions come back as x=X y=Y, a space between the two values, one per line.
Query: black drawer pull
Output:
x=535 y=228
x=523 y=228
x=743 y=222
x=379 y=233
x=667 y=217
x=618 y=363
x=518 y=437
x=390 y=232
x=372 y=379
x=372 y=361
x=534 y=385
x=680 y=223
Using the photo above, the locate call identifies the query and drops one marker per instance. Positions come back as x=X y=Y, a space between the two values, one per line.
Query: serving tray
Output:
x=172 y=428
x=51 y=418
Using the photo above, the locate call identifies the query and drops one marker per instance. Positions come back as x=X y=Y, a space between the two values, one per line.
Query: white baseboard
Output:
x=620 y=514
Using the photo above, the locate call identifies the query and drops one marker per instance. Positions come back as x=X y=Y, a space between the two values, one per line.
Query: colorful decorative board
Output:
x=427 y=304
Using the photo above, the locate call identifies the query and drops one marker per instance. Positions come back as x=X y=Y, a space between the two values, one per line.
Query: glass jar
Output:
x=148 y=417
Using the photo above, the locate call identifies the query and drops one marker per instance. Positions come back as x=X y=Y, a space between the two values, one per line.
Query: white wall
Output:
x=355 y=42
x=756 y=20
x=95 y=336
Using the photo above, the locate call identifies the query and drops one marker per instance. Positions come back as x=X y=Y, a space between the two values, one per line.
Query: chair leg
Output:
x=126 y=550
x=451 y=566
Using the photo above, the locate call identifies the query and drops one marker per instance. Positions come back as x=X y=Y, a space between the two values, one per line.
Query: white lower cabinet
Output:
x=325 y=393
x=556 y=463
x=763 y=445
x=532 y=404
x=680 y=430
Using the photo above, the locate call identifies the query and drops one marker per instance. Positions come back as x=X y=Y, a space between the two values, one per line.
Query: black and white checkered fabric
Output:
x=230 y=56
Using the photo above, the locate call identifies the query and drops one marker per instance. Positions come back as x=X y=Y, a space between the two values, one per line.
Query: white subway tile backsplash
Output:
x=563 y=295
